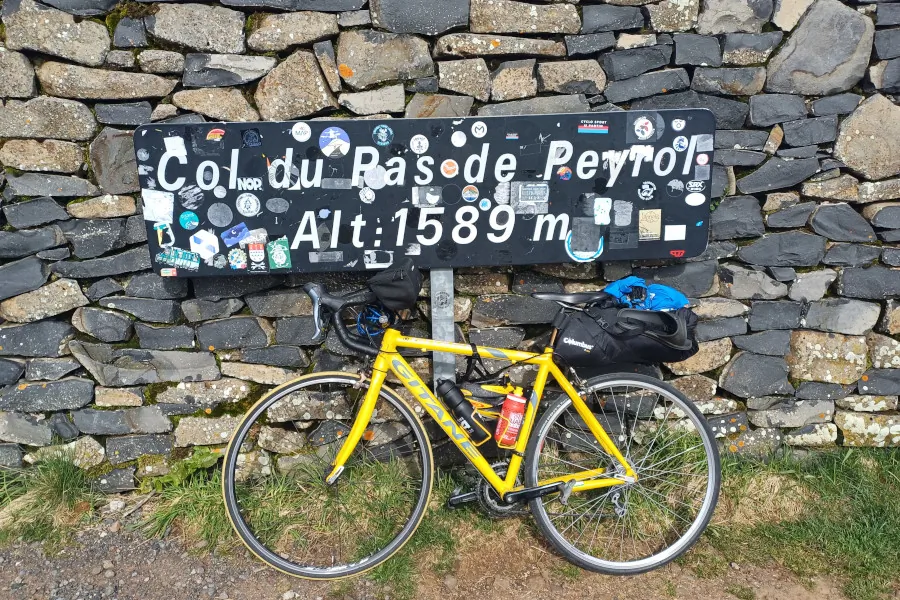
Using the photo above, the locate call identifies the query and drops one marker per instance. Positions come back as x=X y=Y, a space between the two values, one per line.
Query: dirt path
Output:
x=108 y=561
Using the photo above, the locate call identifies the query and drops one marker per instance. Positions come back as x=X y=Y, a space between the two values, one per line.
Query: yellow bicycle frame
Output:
x=389 y=360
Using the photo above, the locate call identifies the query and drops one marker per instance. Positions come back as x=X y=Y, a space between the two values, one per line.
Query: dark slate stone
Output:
x=887 y=218
x=606 y=17
x=850 y=255
x=887 y=43
x=782 y=274
x=699 y=50
x=889 y=236
x=10 y=371
x=205 y=310
x=216 y=288
x=841 y=223
x=227 y=70
x=624 y=64
x=788 y=249
x=887 y=14
x=840 y=104
x=814 y=390
x=135 y=230
x=116 y=481
x=423 y=85
x=497 y=337
x=186 y=119
x=580 y=46
x=62 y=427
x=55 y=254
x=111 y=159
x=891 y=257
x=715 y=329
x=648 y=84
x=91 y=238
x=232 y=332
x=769 y=109
x=692 y=279
x=320 y=5
x=791 y=217
x=809 y=132
x=770 y=343
x=421 y=16
x=151 y=285
x=880 y=382
x=801 y=152
x=778 y=173
x=39 y=339
x=31 y=213
x=872 y=283
x=510 y=309
x=83 y=8
x=527 y=282
x=753 y=375
x=739 y=158
x=50 y=369
x=731 y=81
x=126 y=113
x=45 y=184
x=22 y=276
x=290 y=357
x=16 y=244
x=742 y=139
x=145 y=309
x=164 y=338
x=890 y=77
x=719 y=181
x=296 y=331
x=48 y=396
x=757 y=43
x=130 y=261
x=737 y=217
x=143 y=419
x=11 y=456
x=323 y=360
x=130 y=33
x=280 y=303
x=765 y=316
x=131 y=447
x=105 y=325
x=730 y=114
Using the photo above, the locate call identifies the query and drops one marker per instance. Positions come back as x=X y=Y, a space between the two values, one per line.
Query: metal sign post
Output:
x=442 y=324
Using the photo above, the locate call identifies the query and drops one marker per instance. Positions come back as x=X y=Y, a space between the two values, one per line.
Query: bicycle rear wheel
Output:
x=631 y=528
x=274 y=478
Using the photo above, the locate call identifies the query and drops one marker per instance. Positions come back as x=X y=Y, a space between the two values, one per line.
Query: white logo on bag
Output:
x=582 y=345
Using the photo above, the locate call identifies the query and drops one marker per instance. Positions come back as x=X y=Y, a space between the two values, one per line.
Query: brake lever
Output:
x=317 y=310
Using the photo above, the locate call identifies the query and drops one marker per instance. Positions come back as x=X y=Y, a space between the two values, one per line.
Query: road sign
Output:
x=348 y=195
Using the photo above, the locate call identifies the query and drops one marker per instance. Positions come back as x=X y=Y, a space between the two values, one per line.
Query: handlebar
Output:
x=335 y=304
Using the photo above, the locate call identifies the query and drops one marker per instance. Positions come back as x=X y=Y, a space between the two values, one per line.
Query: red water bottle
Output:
x=510 y=421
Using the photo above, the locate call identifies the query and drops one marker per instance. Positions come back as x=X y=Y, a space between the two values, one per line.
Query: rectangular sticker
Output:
x=649 y=224
x=326 y=257
x=279 y=252
x=673 y=233
x=585 y=235
x=529 y=198
x=622 y=210
x=158 y=206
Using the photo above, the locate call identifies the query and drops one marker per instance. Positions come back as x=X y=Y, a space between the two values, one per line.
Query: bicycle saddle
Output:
x=576 y=298
x=665 y=327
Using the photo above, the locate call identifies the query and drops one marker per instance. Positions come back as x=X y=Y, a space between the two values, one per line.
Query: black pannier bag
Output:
x=600 y=336
x=397 y=287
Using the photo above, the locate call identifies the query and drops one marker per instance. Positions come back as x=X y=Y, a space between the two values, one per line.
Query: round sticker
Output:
x=277 y=205
x=643 y=128
x=695 y=186
x=220 y=215
x=375 y=178
x=580 y=256
x=695 y=199
x=458 y=139
x=479 y=129
x=143 y=154
x=248 y=205
x=189 y=220
x=470 y=193
x=219 y=191
x=219 y=261
x=419 y=144
x=680 y=144
x=702 y=159
x=675 y=188
x=191 y=197
x=647 y=191
x=449 y=168
x=367 y=195
x=237 y=258
x=485 y=204
x=334 y=142
x=383 y=135
x=301 y=132
x=565 y=173
x=678 y=124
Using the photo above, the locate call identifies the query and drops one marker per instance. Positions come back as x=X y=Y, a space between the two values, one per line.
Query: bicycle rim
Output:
x=274 y=478
x=632 y=528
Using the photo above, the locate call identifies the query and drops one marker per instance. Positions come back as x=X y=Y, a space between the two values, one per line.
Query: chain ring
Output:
x=490 y=501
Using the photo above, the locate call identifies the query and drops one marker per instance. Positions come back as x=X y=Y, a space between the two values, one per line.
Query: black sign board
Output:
x=343 y=195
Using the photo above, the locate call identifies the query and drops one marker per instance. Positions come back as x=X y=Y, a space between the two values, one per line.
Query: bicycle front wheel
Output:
x=629 y=528
x=274 y=478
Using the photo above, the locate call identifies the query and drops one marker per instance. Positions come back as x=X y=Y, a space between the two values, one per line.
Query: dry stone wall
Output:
x=798 y=291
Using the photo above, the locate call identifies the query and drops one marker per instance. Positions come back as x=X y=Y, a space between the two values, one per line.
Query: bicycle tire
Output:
x=230 y=482
x=541 y=443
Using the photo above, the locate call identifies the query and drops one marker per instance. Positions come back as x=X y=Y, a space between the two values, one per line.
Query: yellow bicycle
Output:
x=329 y=475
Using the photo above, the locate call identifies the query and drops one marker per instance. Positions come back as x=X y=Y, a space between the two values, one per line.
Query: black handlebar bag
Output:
x=600 y=336
x=397 y=287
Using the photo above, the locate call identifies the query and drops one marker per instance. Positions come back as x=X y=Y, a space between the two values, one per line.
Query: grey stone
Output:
x=727 y=16
x=876 y=118
x=145 y=309
x=673 y=15
x=354 y=18
x=783 y=274
x=401 y=16
x=46 y=117
x=438 y=105
x=125 y=113
x=574 y=103
x=278 y=32
x=216 y=288
x=815 y=390
x=371 y=57
x=744 y=284
x=752 y=375
x=888 y=14
x=791 y=217
x=39 y=339
x=10 y=371
x=136 y=259
x=276 y=356
x=387 y=99
x=884 y=215
x=508 y=16
x=130 y=33
x=49 y=155
x=778 y=173
x=205 y=310
x=117 y=368
x=18 y=76
x=105 y=325
x=887 y=43
x=164 y=338
x=103 y=288
x=120 y=59
x=851 y=255
x=497 y=337
x=20 y=429
x=466 y=45
x=571 y=77
x=842 y=315
x=812 y=286
x=94 y=237
x=16 y=244
x=295 y=88
x=199 y=27
x=789 y=249
x=700 y=50
x=891 y=257
x=161 y=62
x=692 y=279
x=839 y=104
x=126 y=448
x=234 y=332
x=648 y=84
x=48 y=369
x=143 y=419
x=197 y=431
x=716 y=329
x=769 y=109
x=113 y=161
x=737 y=217
x=806 y=132
x=624 y=64
x=739 y=158
x=323 y=5
x=52 y=299
x=492 y=311
x=793 y=413
x=730 y=114
x=750 y=48
x=769 y=343
x=64 y=394
x=880 y=382
x=605 y=17
x=223 y=104
x=280 y=303
x=54 y=254
x=217 y=70
x=32 y=26
x=116 y=481
x=44 y=184
x=296 y=331
x=885 y=76
x=801 y=152
x=470 y=77
x=22 y=276
x=10 y=456
x=827 y=53
x=83 y=8
x=579 y=46
x=513 y=80
x=324 y=52
x=740 y=81
x=30 y=213
x=874 y=283
x=740 y=139
x=72 y=81
x=151 y=285
x=766 y=316
x=841 y=223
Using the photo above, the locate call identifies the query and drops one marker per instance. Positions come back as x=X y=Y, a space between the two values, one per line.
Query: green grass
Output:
x=742 y=592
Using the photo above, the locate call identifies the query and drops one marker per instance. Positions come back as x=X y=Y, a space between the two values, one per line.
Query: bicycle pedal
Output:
x=458 y=498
